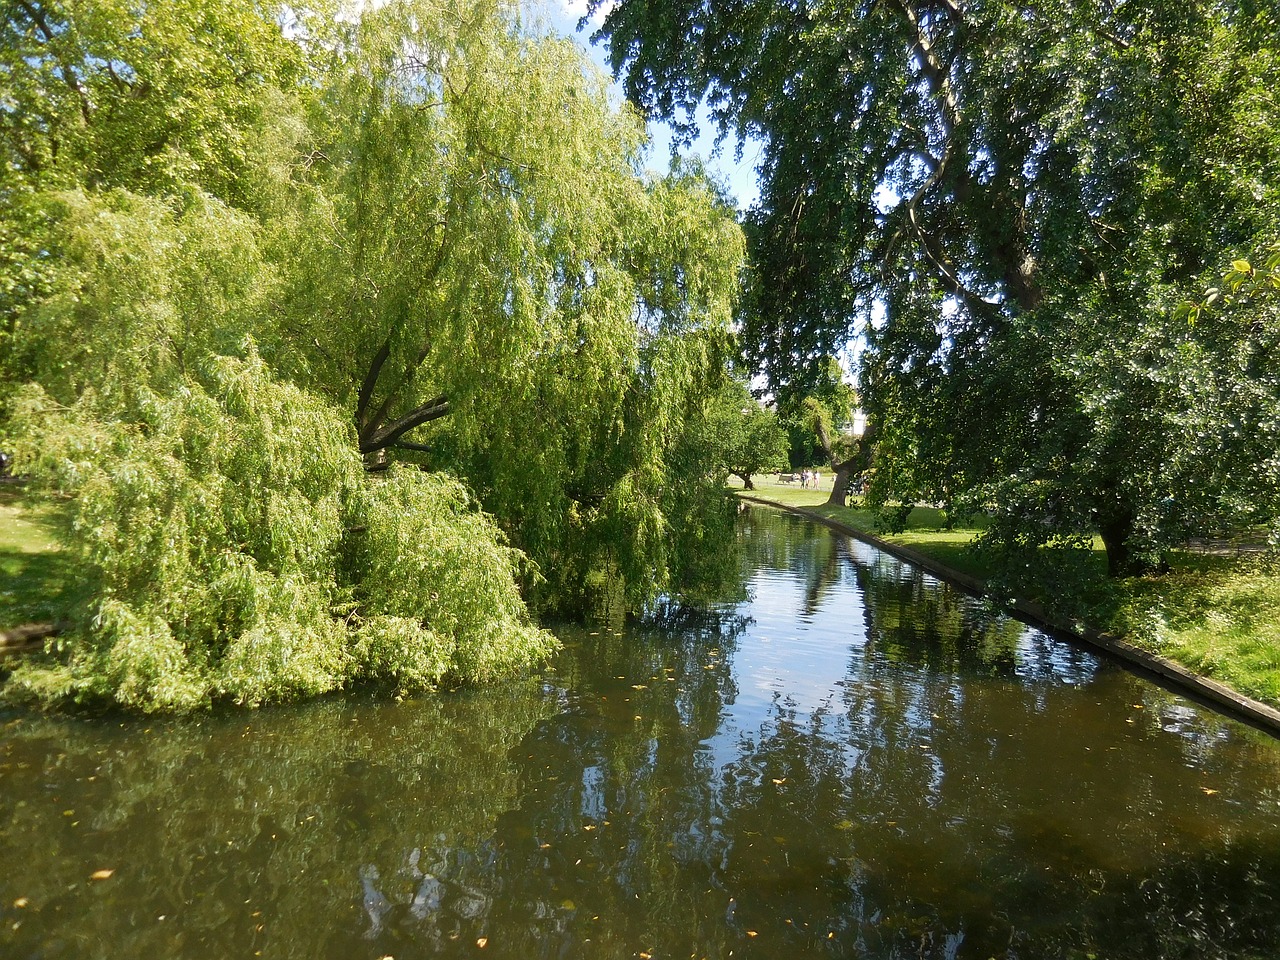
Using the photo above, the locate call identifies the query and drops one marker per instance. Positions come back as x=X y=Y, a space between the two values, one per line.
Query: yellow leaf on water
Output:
x=21 y=902
x=1209 y=791
x=482 y=942
x=101 y=874
x=752 y=933
x=779 y=781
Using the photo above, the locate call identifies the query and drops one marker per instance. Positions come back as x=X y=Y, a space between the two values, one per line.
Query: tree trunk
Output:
x=845 y=473
x=1116 y=529
x=845 y=470
x=745 y=478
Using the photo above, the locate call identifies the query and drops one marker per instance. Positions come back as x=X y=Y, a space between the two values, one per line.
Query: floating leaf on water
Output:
x=568 y=905
x=1209 y=791
x=779 y=780
x=101 y=874
x=844 y=825
x=482 y=942
x=21 y=902
x=752 y=933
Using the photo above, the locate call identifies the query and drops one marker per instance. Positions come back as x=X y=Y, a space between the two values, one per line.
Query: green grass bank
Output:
x=36 y=584
x=1218 y=615
x=1215 y=613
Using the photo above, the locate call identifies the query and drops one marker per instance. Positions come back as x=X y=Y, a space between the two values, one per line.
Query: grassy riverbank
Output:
x=1216 y=614
x=35 y=582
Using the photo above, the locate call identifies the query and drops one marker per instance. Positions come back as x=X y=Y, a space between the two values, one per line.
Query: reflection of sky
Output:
x=802 y=653
x=802 y=656
x=788 y=656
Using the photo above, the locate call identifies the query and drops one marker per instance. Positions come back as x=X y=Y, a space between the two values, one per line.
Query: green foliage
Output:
x=434 y=586
x=1005 y=201
x=477 y=270
x=113 y=93
x=215 y=524
x=435 y=228
x=137 y=290
x=742 y=435
x=815 y=415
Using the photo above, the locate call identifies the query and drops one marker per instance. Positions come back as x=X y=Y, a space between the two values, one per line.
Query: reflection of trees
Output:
x=258 y=834
x=938 y=805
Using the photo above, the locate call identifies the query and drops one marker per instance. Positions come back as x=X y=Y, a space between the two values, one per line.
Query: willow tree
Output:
x=479 y=271
x=1005 y=199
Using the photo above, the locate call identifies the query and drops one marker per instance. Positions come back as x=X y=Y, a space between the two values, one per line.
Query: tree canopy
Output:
x=1005 y=201
x=424 y=240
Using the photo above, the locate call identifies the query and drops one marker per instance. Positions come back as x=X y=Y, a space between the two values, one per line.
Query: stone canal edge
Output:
x=1170 y=674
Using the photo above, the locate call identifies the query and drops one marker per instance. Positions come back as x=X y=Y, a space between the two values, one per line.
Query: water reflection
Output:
x=855 y=762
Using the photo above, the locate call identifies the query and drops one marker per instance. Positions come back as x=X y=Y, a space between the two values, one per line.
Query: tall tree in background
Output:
x=1017 y=194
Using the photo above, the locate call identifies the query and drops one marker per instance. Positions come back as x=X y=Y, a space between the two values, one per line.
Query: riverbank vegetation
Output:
x=345 y=344
x=350 y=339
x=1004 y=207
x=1216 y=610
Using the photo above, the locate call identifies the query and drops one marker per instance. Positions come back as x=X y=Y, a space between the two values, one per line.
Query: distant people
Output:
x=817 y=479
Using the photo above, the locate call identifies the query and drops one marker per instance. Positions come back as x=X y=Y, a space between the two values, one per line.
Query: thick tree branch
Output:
x=433 y=409
x=364 y=423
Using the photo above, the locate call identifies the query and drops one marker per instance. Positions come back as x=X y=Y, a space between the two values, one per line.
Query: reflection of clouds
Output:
x=802 y=655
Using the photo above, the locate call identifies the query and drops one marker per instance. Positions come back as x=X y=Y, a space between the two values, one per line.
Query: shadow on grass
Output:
x=38 y=582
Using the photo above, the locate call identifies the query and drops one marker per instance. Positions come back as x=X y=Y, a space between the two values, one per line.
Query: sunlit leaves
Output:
x=239 y=551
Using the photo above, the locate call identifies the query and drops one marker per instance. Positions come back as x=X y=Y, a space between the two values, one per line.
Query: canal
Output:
x=844 y=758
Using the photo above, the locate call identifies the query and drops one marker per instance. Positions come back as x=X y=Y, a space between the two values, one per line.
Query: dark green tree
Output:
x=1005 y=200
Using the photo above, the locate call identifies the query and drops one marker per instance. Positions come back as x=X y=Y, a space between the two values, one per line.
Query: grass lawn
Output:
x=926 y=526
x=1219 y=616
x=36 y=583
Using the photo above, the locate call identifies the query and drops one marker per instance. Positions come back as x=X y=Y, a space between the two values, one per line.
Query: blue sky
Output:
x=740 y=176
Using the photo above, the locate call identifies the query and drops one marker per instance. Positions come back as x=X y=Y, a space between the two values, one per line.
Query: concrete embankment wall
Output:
x=1170 y=674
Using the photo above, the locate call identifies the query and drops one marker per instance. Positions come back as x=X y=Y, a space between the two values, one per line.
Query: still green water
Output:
x=847 y=760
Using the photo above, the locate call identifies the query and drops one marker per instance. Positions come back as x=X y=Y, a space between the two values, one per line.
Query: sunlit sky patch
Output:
x=739 y=176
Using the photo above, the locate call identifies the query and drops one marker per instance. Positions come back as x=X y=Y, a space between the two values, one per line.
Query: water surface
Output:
x=848 y=759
